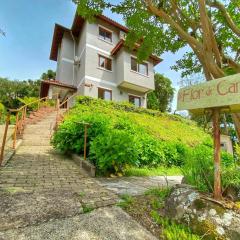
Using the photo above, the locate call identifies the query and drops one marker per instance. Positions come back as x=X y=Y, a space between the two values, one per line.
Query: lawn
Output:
x=158 y=171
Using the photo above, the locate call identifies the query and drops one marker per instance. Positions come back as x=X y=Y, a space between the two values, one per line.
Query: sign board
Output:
x=222 y=92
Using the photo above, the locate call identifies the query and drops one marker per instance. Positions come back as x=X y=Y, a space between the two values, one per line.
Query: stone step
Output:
x=36 y=142
x=38 y=131
x=45 y=136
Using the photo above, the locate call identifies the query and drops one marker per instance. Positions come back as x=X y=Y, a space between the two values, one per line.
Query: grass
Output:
x=159 y=171
x=126 y=200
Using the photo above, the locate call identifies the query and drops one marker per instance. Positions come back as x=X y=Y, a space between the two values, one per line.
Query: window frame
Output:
x=107 y=90
x=105 y=64
x=106 y=31
x=134 y=96
x=138 y=64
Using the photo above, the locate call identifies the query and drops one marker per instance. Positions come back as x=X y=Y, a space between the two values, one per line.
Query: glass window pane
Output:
x=137 y=102
x=101 y=61
x=101 y=33
x=143 y=68
x=108 y=36
x=107 y=95
x=134 y=64
x=108 y=64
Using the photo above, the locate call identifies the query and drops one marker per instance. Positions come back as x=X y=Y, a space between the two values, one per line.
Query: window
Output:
x=135 y=100
x=139 y=67
x=105 y=94
x=105 y=63
x=105 y=34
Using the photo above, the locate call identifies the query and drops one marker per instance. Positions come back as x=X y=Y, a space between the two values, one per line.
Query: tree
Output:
x=162 y=96
x=49 y=75
x=11 y=90
x=211 y=28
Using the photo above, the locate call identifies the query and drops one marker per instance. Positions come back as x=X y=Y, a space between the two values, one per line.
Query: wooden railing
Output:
x=21 y=115
x=69 y=102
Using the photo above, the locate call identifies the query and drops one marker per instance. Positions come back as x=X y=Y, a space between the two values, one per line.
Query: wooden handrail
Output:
x=4 y=138
x=74 y=95
x=59 y=106
x=21 y=114
x=26 y=105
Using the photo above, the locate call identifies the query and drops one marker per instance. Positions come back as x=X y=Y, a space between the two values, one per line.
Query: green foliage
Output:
x=113 y=151
x=121 y=136
x=11 y=91
x=157 y=171
x=49 y=75
x=126 y=200
x=69 y=136
x=27 y=100
x=198 y=169
x=172 y=230
x=2 y=108
x=237 y=153
x=161 y=98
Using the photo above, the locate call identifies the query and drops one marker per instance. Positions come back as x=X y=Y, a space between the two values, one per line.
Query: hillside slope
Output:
x=121 y=135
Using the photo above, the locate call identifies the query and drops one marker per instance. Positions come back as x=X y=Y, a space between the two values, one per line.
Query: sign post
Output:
x=216 y=96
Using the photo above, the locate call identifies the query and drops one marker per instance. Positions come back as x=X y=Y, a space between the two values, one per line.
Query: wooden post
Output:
x=4 y=138
x=85 y=141
x=217 y=154
x=15 y=132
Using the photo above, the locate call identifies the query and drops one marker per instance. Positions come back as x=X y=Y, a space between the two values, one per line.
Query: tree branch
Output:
x=226 y=15
x=168 y=19
x=209 y=42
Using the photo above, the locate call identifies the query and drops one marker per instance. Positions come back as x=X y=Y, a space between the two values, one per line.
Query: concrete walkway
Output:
x=137 y=185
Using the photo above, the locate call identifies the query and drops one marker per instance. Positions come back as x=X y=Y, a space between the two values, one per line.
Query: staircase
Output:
x=40 y=126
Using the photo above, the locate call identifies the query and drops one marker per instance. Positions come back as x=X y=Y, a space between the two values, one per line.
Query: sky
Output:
x=29 y=24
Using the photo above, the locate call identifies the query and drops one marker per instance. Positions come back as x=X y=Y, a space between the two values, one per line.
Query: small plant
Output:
x=172 y=230
x=126 y=200
x=87 y=209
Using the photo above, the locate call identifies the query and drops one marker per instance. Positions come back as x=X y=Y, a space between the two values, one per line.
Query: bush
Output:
x=70 y=135
x=112 y=151
x=2 y=111
x=198 y=169
x=27 y=100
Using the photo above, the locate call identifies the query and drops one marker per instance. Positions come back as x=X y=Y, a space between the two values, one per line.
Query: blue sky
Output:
x=29 y=24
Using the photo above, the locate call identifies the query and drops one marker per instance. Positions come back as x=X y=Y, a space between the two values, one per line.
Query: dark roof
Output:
x=57 y=39
x=46 y=83
x=120 y=44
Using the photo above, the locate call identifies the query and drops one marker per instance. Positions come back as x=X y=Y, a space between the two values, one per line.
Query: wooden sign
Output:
x=221 y=93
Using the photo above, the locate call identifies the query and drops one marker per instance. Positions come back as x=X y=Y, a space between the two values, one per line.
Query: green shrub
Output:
x=2 y=111
x=70 y=135
x=112 y=151
x=198 y=169
x=150 y=151
x=28 y=100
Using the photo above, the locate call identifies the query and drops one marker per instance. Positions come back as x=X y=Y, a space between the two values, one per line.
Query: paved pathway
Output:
x=137 y=185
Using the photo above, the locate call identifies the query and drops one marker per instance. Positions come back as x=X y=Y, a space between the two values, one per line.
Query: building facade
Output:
x=93 y=61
